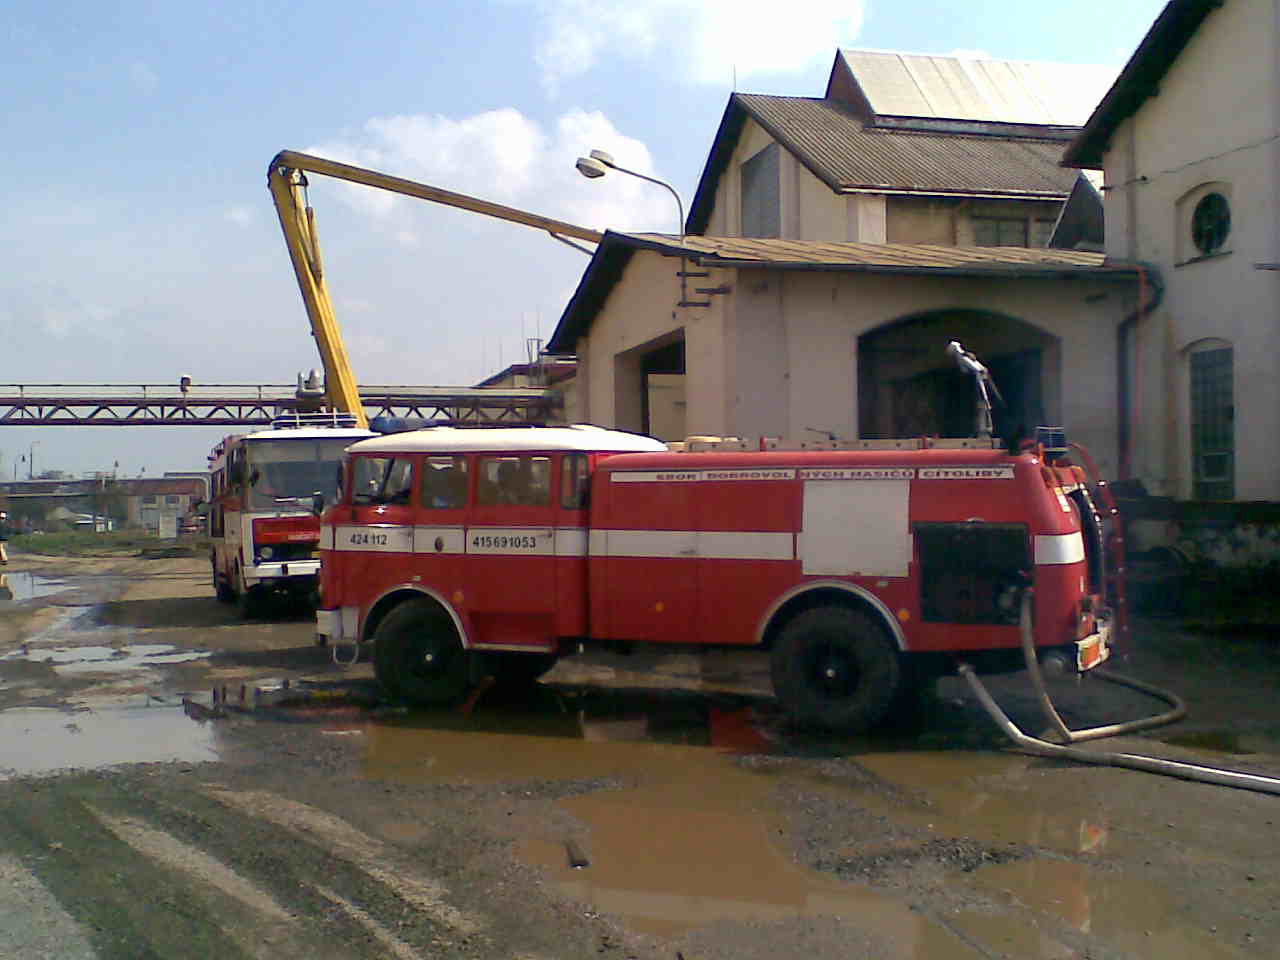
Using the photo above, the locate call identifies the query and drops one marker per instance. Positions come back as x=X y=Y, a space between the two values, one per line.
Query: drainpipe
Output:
x=1150 y=295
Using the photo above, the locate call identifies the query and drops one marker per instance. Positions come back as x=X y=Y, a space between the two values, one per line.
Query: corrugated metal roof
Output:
x=902 y=259
x=886 y=256
x=829 y=138
x=972 y=88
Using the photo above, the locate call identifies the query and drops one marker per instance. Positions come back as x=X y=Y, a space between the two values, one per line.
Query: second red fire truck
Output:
x=263 y=532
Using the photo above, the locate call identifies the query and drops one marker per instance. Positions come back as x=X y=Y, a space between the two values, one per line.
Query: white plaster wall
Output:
x=810 y=210
x=818 y=317
x=778 y=354
x=1215 y=108
x=641 y=312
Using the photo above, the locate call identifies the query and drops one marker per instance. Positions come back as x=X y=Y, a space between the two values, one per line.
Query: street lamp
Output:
x=598 y=163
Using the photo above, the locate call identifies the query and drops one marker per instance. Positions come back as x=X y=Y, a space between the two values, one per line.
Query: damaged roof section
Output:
x=1019 y=92
x=903 y=259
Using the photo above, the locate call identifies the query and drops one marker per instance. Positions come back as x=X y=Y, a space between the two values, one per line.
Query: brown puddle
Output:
x=676 y=834
x=993 y=798
x=1132 y=918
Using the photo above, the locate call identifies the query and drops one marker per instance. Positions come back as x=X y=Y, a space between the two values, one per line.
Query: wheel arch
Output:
x=397 y=595
x=820 y=593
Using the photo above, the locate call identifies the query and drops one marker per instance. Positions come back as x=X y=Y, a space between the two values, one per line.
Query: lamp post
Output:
x=598 y=163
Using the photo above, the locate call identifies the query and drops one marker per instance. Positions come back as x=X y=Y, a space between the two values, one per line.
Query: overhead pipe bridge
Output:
x=232 y=404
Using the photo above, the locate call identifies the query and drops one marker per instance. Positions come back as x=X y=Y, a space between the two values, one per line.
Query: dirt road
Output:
x=628 y=807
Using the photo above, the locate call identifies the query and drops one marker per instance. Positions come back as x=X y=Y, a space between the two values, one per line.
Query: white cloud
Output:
x=240 y=215
x=503 y=156
x=705 y=39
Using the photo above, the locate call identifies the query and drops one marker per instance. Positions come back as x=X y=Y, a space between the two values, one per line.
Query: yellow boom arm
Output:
x=287 y=180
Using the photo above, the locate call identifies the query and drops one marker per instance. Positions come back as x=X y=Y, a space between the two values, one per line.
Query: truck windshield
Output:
x=284 y=474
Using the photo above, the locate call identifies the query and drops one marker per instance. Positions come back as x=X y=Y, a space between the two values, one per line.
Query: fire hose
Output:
x=1157 y=765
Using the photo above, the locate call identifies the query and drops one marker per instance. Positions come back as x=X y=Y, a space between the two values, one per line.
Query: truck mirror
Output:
x=254 y=477
x=317 y=503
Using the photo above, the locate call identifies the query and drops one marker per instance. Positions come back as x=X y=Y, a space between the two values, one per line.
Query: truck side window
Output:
x=368 y=474
x=397 y=486
x=575 y=481
x=444 y=483
x=519 y=481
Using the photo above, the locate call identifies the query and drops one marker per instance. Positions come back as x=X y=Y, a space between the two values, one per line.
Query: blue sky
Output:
x=139 y=235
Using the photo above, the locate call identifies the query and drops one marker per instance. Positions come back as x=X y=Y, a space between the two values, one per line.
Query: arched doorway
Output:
x=908 y=387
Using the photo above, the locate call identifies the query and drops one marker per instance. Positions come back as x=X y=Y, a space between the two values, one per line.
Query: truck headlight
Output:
x=266 y=553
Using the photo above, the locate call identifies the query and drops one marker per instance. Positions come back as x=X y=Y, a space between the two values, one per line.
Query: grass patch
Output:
x=77 y=543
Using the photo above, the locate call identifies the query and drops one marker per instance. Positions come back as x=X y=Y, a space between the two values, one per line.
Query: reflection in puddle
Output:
x=24 y=585
x=678 y=836
x=993 y=798
x=94 y=659
x=1133 y=917
x=41 y=741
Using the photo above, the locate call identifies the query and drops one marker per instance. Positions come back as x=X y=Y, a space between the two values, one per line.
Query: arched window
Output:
x=1211 y=365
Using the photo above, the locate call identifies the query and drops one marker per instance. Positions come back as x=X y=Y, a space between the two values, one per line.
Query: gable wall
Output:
x=1214 y=106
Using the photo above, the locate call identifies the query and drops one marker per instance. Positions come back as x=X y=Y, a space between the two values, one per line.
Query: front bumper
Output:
x=1094 y=649
x=282 y=570
x=337 y=625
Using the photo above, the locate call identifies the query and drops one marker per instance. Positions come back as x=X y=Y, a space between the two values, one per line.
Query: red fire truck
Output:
x=263 y=530
x=468 y=553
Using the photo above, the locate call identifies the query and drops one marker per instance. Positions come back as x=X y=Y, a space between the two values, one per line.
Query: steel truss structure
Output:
x=134 y=405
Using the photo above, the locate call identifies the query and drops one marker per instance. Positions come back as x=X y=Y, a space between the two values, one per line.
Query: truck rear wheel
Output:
x=835 y=667
x=417 y=655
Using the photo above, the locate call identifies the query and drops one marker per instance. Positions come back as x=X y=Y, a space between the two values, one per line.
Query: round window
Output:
x=1210 y=223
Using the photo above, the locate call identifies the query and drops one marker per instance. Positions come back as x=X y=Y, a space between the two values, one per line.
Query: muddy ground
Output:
x=628 y=807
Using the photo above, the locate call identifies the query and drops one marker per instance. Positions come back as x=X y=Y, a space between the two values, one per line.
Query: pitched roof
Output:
x=903 y=259
x=1139 y=79
x=848 y=155
x=973 y=88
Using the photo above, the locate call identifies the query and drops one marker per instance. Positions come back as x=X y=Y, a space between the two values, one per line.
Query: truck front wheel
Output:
x=834 y=667
x=221 y=589
x=417 y=655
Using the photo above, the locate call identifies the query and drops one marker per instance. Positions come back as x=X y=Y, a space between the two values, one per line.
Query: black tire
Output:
x=417 y=655
x=515 y=671
x=221 y=589
x=835 y=668
x=249 y=602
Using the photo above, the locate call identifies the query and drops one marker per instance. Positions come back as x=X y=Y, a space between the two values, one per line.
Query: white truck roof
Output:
x=350 y=434
x=577 y=437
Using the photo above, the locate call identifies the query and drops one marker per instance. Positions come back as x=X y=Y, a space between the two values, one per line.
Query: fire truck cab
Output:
x=263 y=531
x=860 y=571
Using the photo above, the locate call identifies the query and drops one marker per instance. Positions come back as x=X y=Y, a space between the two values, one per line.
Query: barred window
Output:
x=1212 y=424
x=761 y=201
x=999 y=232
